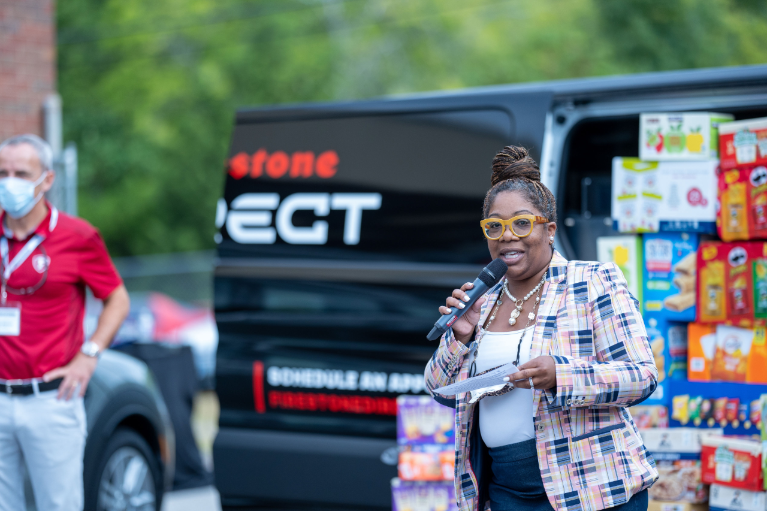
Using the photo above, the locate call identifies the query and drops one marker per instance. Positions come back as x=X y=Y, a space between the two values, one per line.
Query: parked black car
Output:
x=129 y=453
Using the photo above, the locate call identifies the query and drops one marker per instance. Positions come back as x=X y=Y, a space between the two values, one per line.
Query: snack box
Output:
x=743 y=143
x=724 y=498
x=423 y=421
x=670 y=275
x=668 y=341
x=678 y=196
x=420 y=496
x=732 y=462
x=427 y=464
x=732 y=282
x=680 y=135
x=658 y=505
x=679 y=480
x=732 y=408
x=701 y=346
x=626 y=253
x=673 y=444
x=742 y=195
x=649 y=416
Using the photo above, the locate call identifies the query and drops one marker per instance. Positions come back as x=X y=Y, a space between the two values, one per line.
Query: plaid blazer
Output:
x=590 y=452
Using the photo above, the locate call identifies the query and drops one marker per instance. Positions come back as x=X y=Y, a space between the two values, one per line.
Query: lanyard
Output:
x=10 y=266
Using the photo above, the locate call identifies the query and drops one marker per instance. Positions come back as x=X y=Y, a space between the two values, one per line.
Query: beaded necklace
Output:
x=518 y=303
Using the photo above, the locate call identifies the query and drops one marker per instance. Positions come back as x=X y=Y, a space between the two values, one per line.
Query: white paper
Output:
x=489 y=379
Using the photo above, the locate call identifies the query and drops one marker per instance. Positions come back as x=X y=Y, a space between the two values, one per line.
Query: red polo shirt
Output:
x=52 y=317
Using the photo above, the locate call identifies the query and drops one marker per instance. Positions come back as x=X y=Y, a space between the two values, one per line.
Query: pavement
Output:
x=197 y=499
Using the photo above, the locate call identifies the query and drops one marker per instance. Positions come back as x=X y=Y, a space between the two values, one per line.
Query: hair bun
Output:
x=514 y=162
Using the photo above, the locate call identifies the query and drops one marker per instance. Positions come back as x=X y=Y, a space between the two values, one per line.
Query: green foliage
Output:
x=150 y=87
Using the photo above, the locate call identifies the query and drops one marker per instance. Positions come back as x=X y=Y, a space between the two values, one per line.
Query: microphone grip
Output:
x=446 y=321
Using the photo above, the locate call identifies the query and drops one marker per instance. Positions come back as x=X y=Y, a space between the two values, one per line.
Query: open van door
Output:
x=342 y=229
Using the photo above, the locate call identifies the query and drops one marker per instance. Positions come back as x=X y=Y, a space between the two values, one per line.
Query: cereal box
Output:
x=732 y=462
x=701 y=346
x=675 y=196
x=680 y=135
x=742 y=194
x=427 y=463
x=626 y=253
x=724 y=498
x=422 y=421
x=743 y=143
x=670 y=273
x=419 y=496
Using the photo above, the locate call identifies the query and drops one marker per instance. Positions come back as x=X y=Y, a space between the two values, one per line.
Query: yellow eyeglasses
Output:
x=521 y=226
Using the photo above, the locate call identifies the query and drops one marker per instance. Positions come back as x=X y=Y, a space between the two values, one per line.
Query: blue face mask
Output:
x=17 y=196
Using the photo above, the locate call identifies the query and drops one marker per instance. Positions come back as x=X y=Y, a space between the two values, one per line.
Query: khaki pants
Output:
x=48 y=436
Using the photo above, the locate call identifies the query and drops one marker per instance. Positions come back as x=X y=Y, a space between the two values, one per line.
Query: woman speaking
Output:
x=558 y=434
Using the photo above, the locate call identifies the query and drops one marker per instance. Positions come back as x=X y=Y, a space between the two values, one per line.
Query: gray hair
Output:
x=41 y=147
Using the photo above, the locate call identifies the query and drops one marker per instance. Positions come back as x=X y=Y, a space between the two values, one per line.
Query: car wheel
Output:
x=128 y=477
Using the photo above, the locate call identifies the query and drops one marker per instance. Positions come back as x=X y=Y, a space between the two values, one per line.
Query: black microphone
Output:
x=488 y=277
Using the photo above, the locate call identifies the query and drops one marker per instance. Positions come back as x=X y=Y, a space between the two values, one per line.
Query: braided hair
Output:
x=514 y=170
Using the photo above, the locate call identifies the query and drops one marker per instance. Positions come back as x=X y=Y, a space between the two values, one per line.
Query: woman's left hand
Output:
x=543 y=371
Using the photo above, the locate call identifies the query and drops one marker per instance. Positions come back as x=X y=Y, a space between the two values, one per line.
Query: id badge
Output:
x=10 y=318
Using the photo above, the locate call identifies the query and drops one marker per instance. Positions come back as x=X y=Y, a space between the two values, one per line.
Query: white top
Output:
x=505 y=419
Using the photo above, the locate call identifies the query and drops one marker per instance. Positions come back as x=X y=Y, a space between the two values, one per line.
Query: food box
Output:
x=743 y=143
x=680 y=135
x=724 y=498
x=763 y=428
x=668 y=341
x=742 y=195
x=701 y=346
x=626 y=253
x=419 y=496
x=673 y=444
x=732 y=282
x=659 y=505
x=732 y=462
x=734 y=409
x=664 y=196
x=427 y=464
x=422 y=421
x=670 y=275
x=679 y=480
x=649 y=416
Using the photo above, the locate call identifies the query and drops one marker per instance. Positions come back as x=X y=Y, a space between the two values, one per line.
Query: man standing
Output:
x=48 y=258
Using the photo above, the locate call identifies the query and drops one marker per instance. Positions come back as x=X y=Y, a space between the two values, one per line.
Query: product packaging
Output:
x=730 y=281
x=681 y=136
x=659 y=505
x=701 y=346
x=423 y=421
x=733 y=346
x=670 y=275
x=668 y=341
x=626 y=252
x=649 y=416
x=679 y=480
x=664 y=196
x=742 y=194
x=673 y=444
x=763 y=427
x=732 y=462
x=427 y=463
x=417 y=496
x=743 y=143
x=724 y=498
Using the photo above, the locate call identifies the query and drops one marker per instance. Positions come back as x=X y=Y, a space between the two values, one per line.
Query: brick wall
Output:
x=27 y=64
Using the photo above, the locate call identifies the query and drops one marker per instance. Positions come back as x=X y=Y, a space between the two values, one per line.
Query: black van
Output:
x=344 y=226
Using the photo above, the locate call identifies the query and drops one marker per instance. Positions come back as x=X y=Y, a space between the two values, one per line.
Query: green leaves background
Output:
x=150 y=87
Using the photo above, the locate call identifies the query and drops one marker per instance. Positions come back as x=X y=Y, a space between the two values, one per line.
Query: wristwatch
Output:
x=91 y=349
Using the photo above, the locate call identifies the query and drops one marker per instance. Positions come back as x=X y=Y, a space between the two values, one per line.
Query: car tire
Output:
x=127 y=472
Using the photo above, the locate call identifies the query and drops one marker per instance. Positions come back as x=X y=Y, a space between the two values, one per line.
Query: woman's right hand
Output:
x=464 y=326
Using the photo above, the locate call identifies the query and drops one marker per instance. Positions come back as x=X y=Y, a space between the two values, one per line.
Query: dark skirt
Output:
x=516 y=483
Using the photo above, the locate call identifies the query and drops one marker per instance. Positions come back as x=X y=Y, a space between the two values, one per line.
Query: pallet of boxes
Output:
x=691 y=212
x=425 y=434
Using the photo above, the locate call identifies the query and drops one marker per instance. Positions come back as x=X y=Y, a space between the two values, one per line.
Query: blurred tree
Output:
x=150 y=87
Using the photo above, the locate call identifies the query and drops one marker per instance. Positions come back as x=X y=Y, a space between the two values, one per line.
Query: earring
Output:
x=551 y=240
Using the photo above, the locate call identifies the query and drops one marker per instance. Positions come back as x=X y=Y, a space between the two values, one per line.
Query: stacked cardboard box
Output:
x=425 y=434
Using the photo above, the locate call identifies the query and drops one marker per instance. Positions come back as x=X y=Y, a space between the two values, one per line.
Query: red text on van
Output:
x=279 y=164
